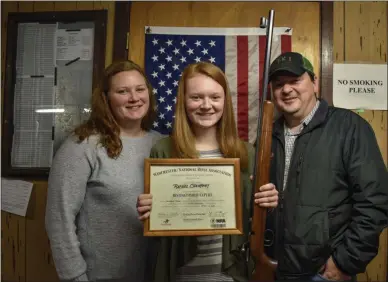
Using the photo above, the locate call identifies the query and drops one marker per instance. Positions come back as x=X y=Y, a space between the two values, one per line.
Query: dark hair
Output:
x=311 y=75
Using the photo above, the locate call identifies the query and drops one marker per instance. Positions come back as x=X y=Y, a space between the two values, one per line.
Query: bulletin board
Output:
x=53 y=62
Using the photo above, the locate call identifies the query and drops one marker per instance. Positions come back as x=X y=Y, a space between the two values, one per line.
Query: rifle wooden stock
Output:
x=265 y=267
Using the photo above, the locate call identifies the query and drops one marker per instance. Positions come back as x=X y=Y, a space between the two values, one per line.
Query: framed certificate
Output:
x=193 y=197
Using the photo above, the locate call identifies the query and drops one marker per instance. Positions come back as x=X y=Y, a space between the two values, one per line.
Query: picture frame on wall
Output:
x=53 y=62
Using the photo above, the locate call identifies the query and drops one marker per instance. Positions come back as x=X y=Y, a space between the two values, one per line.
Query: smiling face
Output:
x=128 y=97
x=204 y=101
x=295 y=96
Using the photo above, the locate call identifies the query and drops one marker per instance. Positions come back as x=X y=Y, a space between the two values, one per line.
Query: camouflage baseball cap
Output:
x=291 y=62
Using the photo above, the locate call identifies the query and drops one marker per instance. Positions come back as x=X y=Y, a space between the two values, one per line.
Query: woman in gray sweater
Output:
x=95 y=178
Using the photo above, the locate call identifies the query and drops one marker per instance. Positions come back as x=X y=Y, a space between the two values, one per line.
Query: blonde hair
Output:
x=102 y=121
x=231 y=146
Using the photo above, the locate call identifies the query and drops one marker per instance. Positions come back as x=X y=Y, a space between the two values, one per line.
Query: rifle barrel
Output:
x=265 y=267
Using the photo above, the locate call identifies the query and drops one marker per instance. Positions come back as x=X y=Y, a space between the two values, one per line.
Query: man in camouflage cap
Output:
x=291 y=62
x=331 y=180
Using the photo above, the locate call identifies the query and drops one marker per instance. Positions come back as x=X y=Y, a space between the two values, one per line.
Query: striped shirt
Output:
x=290 y=137
x=206 y=265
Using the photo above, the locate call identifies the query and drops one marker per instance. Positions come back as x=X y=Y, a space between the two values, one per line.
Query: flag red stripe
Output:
x=285 y=43
x=242 y=87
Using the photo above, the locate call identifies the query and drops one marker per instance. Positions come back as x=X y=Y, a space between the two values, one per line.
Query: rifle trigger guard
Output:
x=245 y=251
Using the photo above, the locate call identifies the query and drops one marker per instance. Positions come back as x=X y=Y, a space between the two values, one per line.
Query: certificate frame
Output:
x=173 y=163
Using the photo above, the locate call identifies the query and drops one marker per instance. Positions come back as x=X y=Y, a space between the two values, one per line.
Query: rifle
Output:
x=264 y=266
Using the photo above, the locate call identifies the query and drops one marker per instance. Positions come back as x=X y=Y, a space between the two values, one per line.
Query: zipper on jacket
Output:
x=281 y=190
x=299 y=172
x=279 y=214
x=281 y=200
x=278 y=225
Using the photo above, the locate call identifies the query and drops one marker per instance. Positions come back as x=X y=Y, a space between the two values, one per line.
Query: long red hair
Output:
x=101 y=121
x=231 y=146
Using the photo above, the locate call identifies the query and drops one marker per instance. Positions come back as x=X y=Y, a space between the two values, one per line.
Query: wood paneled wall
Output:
x=360 y=35
x=303 y=17
x=25 y=247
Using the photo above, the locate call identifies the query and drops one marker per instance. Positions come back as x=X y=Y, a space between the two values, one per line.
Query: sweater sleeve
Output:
x=368 y=176
x=82 y=278
x=69 y=173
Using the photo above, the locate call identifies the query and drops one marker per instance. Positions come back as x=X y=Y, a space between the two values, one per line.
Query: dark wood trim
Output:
x=121 y=28
x=99 y=17
x=386 y=61
x=326 y=77
x=8 y=99
x=100 y=34
x=58 y=16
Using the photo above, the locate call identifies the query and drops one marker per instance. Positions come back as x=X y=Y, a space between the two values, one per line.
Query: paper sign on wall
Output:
x=74 y=44
x=360 y=86
x=15 y=195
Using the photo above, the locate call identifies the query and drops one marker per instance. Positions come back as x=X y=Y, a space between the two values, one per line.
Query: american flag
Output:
x=239 y=52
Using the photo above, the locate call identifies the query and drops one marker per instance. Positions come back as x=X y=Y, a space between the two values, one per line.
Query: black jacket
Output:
x=336 y=199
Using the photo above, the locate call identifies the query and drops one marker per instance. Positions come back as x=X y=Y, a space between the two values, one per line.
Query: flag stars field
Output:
x=169 y=55
x=168 y=52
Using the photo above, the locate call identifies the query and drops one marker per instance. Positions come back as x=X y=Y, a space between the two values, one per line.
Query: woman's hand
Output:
x=144 y=205
x=267 y=197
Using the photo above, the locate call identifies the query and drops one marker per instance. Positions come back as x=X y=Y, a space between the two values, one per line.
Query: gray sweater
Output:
x=91 y=217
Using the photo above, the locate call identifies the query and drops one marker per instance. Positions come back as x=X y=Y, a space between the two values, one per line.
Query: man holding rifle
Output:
x=331 y=178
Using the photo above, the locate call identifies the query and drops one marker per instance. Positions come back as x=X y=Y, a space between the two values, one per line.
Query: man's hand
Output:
x=267 y=197
x=331 y=272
